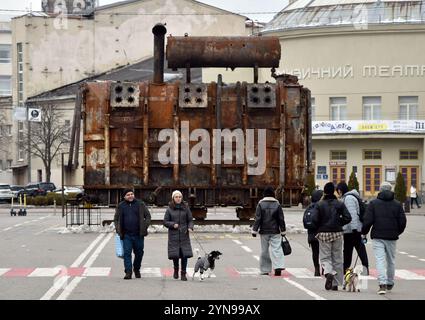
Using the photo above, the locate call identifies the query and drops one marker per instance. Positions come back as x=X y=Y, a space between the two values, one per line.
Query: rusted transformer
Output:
x=123 y=122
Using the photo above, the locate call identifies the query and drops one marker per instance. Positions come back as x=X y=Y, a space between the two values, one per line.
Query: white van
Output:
x=5 y=192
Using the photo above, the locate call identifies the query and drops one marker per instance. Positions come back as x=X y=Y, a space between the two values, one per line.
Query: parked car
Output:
x=38 y=189
x=5 y=192
x=68 y=190
x=15 y=190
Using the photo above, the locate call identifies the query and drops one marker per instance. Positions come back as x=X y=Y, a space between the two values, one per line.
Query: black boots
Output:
x=278 y=272
x=137 y=274
x=127 y=275
x=176 y=273
x=317 y=271
x=183 y=276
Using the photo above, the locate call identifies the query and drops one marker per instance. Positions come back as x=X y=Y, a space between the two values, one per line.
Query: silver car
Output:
x=5 y=192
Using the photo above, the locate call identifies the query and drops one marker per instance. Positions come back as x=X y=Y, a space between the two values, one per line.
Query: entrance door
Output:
x=338 y=174
x=372 y=178
x=410 y=175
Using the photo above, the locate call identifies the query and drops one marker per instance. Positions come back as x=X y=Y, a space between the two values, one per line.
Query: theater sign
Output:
x=368 y=126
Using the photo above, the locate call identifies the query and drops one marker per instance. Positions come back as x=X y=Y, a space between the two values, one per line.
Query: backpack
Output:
x=362 y=207
x=310 y=217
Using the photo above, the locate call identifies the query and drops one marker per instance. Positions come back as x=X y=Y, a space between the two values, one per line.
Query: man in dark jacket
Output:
x=387 y=219
x=270 y=222
x=132 y=219
x=332 y=216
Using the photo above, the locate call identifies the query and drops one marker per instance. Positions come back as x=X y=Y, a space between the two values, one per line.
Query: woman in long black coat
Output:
x=179 y=221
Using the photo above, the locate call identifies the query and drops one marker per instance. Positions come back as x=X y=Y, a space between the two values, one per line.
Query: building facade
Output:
x=364 y=63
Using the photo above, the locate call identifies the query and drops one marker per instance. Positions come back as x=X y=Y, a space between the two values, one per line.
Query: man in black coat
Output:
x=132 y=219
x=387 y=219
x=332 y=216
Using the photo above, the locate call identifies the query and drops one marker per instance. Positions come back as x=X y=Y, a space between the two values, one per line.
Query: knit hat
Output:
x=268 y=192
x=126 y=191
x=176 y=192
x=316 y=195
x=329 y=188
x=385 y=186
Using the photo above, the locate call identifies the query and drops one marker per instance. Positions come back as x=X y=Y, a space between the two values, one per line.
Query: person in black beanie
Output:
x=270 y=223
x=132 y=219
x=332 y=215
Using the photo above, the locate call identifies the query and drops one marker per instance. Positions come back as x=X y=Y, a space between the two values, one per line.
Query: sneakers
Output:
x=137 y=274
x=382 y=289
x=127 y=276
x=176 y=273
x=390 y=287
x=335 y=288
x=329 y=280
x=183 y=276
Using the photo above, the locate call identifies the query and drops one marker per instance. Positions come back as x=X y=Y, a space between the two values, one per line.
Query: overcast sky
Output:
x=245 y=7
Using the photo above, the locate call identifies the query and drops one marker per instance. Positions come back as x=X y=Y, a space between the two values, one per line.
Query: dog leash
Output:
x=198 y=242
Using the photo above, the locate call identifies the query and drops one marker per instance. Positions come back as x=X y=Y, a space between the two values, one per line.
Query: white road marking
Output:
x=69 y=288
x=150 y=272
x=7 y=229
x=302 y=273
x=97 y=272
x=47 y=229
x=422 y=260
x=57 y=285
x=246 y=248
x=27 y=222
x=248 y=271
x=237 y=241
x=412 y=256
x=44 y=272
x=191 y=270
x=87 y=251
x=402 y=252
x=96 y=253
x=18 y=225
x=408 y=275
x=302 y=288
x=257 y=258
x=3 y=271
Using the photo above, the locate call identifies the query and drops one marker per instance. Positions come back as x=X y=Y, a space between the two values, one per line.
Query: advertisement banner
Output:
x=368 y=126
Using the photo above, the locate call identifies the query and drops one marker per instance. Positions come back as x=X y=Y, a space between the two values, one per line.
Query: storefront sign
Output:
x=368 y=126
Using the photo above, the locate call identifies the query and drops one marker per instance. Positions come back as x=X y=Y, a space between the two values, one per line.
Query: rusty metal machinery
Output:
x=123 y=122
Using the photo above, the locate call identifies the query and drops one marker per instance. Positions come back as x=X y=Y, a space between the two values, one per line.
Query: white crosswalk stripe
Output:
x=3 y=271
x=150 y=272
x=44 y=272
x=408 y=275
x=302 y=273
x=96 y=272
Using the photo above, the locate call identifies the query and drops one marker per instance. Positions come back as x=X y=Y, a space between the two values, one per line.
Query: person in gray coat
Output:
x=270 y=223
x=352 y=231
x=179 y=221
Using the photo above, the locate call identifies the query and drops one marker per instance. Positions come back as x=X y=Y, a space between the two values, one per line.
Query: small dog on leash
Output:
x=351 y=280
x=205 y=264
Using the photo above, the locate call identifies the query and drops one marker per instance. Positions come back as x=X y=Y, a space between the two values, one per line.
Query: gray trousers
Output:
x=271 y=252
x=331 y=259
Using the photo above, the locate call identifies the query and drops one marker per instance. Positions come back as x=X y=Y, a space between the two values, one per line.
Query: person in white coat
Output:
x=413 y=196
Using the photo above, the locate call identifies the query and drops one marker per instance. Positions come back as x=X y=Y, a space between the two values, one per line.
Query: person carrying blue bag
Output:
x=132 y=219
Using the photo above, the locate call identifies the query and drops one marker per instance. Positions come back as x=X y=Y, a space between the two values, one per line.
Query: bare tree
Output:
x=4 y=136
x=47 y=137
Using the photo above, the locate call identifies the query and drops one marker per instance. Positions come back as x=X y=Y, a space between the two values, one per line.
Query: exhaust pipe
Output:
x=159 y=31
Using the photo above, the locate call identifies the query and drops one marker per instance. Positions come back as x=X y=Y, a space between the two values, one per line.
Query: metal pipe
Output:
x=107 y=153
x=223 y=52
x=159 y=32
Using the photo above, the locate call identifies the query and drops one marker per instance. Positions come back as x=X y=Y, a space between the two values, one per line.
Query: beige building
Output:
x=51 y=52
x=6 y=150
x=365 y=66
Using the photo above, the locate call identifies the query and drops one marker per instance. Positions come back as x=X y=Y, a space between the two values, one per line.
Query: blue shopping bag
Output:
x=119 y=246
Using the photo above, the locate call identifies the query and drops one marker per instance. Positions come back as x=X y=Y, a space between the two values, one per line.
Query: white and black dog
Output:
x=205 y=263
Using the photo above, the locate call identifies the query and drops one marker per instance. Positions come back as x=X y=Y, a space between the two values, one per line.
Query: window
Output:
x=21 y=142
x=372 y=154
x=371 y=108
x=5 y=86
x=313 y=109
x=313 y=155
x=20 y=77
x=68 y=130
x=408 y=108
x=338 y=108
x=1 y=165
x=9 y=164
x=408 y=154
x=5 y=56
x=338 y=155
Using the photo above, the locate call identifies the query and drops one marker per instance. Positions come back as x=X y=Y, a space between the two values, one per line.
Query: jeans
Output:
x=275 y=257
x=331 y=260
x=416 y=200
x=184 y=262
x=135 y=244
x=385 y=260
x=351 y=241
